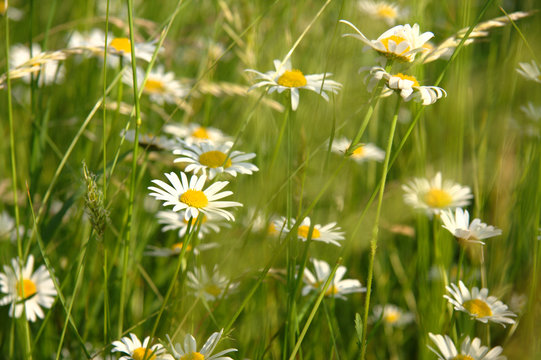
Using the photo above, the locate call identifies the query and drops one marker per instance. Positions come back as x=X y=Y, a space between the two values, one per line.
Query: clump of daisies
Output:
x=284 y=77
x=26 y=290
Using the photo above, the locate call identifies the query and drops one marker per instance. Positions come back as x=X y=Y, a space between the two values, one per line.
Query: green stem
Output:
x=375 y=228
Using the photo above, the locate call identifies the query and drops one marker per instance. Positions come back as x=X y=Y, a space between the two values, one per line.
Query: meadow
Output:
x=216 y=179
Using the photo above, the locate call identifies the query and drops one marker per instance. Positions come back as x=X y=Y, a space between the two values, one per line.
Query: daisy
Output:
x=392 y=315
x=195 y=133
x=338 y=287
x=469 y=350
x=408 y=86
x=192 y=198
x=363 y=153
x=161 y=87
x=189 y=350
x=209 y=288
x=382 y=10
x=135 y=350
x=207 y=157
x=150 y=141
x=531 y=111
x=433 y=196
x=329 y=233
x=459 y=225
x=93 y=41
x=122 y=47
x=530 y=71
x=7 y=227
x=401 y=42
x=176 y=248
x=49 y=72
x=11 y=12
x=478 y=304
x=177 y=220
x=33 y=291
x=285 y=78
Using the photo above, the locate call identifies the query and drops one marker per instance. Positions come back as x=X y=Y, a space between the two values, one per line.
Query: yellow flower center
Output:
x=214 y=159
x=121 y=45
x=2 y=7
x=27 y=287
x=292 y=78
x=193 y=221
x=272 y=230
x=396 y=39
x=386 y=11
x=201 y=133
x=194 y=198
x=143 y=353
x=358 y=152
x=331 y=290
x=463 y=357
x=478 y=307
x=437 y=198
x=177 y=247
x=213 y=290
x=154 y=86
x=392 y=317
x=303 y=232
x=408 y=77
x=193 y=356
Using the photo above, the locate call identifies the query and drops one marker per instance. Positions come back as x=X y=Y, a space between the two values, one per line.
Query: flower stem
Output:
x=375 y=228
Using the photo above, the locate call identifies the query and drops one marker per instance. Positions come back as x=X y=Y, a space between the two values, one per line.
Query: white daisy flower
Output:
x=408 y=86
x=338 y=287
x=192 y=198
x=329 y=233
x=459 y=225
x=392 y=315
x=478 y=304
x=210 y=159
x=209 y=288
x=176 y=248
x=285 y=78
x=150 y=141
x=194 y=133
x=530 y=71
x=189 y=350
x=47 y=73
x=401 y=42
x=363 y=153
x=161 y=87
x=94 y=41
x=436 y=195
x=33 y=291
x=469 y=350
x=12 y=13
x=177 y=221
x=122 y=47
x=382 y=10
x=135 y=350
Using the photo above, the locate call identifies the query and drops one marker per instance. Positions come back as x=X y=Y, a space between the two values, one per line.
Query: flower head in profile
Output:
x=26 y=290
x=382 y=10
x=212 y=159
x=337 y=288
x=177 y=221
x=408 y=86
x=161 y=87
x=190 y=196
x=400 y=43
x=361 y=154
x=285 y=78
x=189 y=351
x=392 y=315
x=478 y=304
x=133 y=349
x=530 y=71
x=459 y=225
x=436 y=195
x=469 y=349
x=329 y=233
x=209 y=287
x=194 y=133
